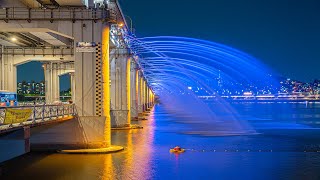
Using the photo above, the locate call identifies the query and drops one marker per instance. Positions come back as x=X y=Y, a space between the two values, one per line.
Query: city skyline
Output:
x=217 y=86
x=24 y=74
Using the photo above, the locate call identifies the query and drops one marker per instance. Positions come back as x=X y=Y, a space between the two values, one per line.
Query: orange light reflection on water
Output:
x=135 y=162
x=137 y=156
x=108 y=167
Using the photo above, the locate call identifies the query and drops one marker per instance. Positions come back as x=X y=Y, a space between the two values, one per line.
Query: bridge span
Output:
x=86 y=39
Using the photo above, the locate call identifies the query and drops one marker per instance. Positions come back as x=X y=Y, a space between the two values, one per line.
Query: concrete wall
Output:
x=85 y=132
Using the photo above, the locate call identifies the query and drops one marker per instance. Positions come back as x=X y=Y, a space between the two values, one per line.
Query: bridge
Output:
x=86 y=39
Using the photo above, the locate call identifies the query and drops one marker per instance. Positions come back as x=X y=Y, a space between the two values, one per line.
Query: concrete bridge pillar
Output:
x=12 y=77
x=47 y=79
x=151 y=104
x=113 y=81
x=152 y=98
x=55 y=86
x=8 y=74
x=120 y=89
x=138 y=89
x=148 y=98
x=52 y=82
x=144 y=96
x=134 y=91
x=73 y=86
x=105 y=53
x=128 y=89
x=1 y=68
x=141 y=94
x=123 y=83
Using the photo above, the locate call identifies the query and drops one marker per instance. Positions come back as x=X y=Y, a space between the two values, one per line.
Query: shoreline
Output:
x=269 y=100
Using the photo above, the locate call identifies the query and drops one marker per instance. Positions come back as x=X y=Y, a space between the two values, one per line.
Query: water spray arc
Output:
x=173 y=66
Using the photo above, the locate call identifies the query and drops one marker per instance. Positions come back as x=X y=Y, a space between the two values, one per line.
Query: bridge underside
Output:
x=107 y=86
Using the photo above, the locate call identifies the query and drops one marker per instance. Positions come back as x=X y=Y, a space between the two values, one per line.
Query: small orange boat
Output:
x=177 y=149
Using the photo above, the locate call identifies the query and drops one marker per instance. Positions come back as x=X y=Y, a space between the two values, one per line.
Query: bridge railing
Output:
x=60 y=14
x=40 y=113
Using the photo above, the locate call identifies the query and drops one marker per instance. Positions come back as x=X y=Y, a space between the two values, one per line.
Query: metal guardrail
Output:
x=30 y=103
x=34 y=51
x=40 y=113
x=60 y=14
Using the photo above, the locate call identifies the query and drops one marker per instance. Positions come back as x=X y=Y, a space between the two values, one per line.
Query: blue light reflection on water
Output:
x=278 y=153
x=286 y=129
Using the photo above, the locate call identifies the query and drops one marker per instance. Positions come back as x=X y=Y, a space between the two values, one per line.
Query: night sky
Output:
x=284 y=34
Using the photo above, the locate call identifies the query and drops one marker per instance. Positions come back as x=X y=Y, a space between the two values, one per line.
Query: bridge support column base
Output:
x=110 y=149
x=141 y=118
x=134 y=118
x=131 y=126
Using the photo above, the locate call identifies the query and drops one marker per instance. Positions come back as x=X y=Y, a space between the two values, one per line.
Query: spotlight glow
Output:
x=13 y=39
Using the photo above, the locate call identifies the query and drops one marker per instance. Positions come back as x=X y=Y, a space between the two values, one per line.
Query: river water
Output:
x=285 y=147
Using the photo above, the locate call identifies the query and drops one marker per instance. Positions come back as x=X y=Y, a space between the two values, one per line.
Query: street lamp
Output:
x=120 y=25
x=13 y=39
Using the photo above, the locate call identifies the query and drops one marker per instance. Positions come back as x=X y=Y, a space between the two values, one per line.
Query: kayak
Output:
x=177 y=151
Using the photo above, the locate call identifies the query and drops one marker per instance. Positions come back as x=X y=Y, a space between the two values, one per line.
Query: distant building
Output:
x=36 y=88
x=284 y=86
